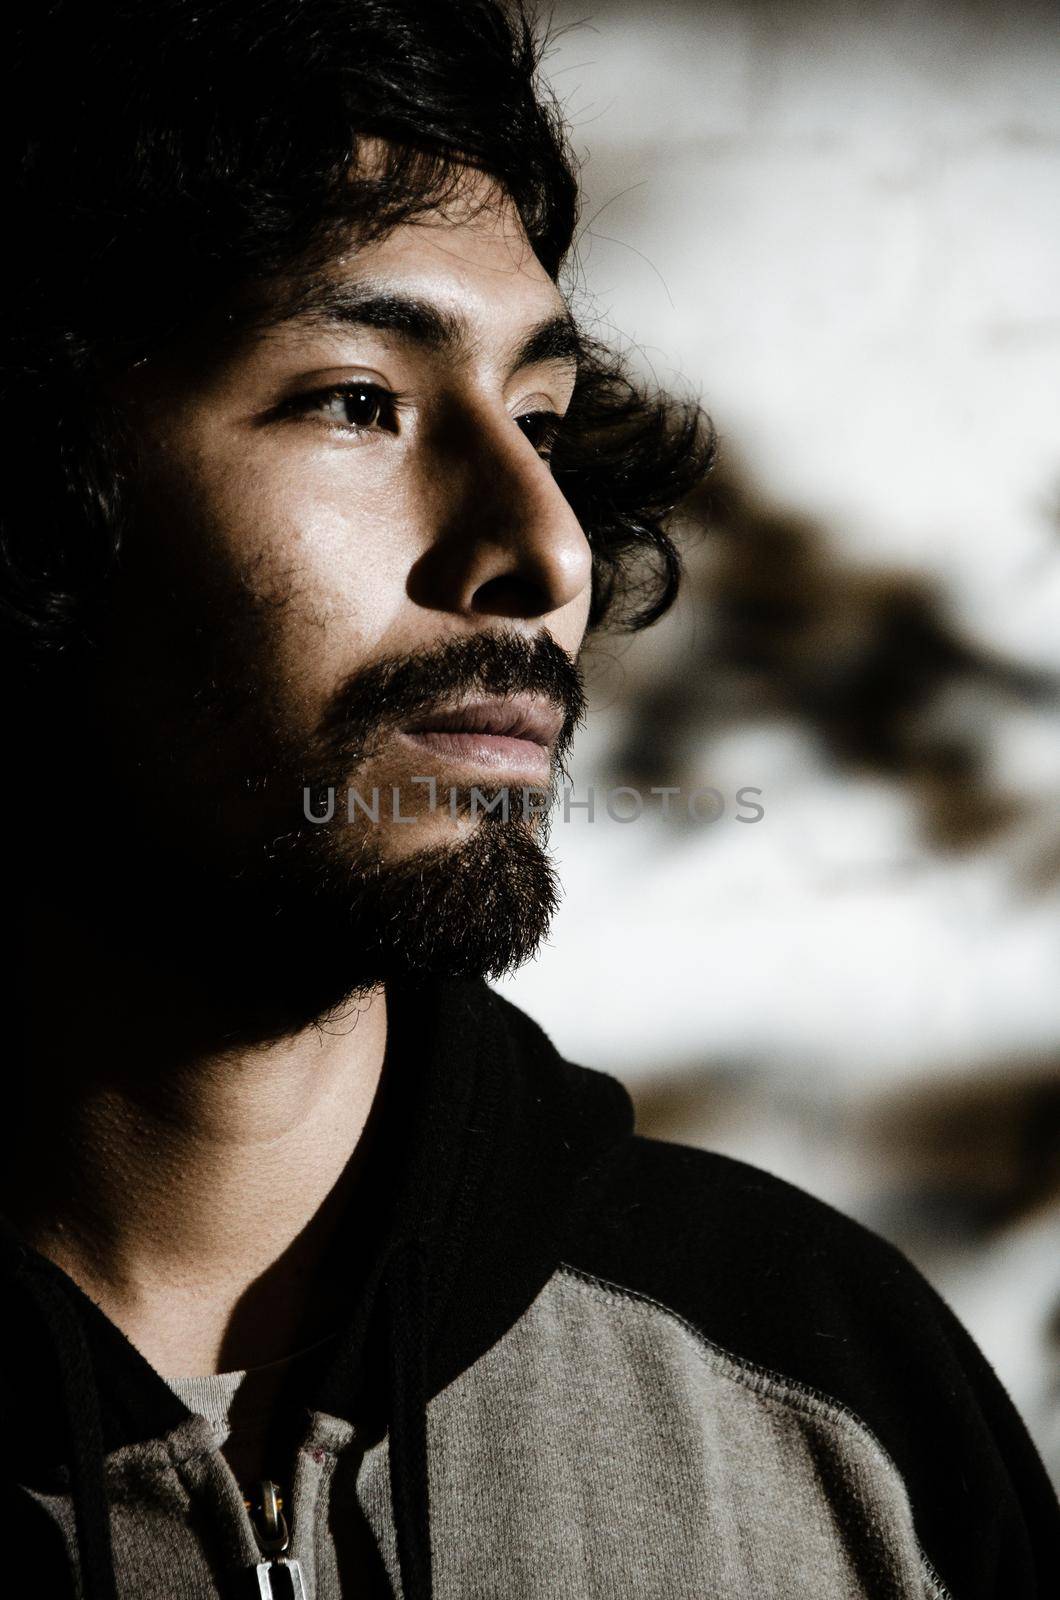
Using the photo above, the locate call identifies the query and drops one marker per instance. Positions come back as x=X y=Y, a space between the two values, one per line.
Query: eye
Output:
x=542 y=429
x=354 y=407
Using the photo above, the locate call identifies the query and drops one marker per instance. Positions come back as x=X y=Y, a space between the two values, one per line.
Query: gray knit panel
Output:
x=601 y=1450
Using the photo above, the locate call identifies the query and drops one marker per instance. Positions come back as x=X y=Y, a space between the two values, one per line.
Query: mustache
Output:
x=380 y=697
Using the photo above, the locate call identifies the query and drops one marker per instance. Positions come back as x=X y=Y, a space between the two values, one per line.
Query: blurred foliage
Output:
x=869 y=659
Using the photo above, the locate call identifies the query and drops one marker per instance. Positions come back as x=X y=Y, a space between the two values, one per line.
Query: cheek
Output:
x=320 y=552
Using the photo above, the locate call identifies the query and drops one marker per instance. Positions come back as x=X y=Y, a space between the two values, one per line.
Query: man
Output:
x=325 y=1274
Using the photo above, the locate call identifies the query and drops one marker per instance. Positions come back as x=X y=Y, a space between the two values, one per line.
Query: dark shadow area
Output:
x=866 y=658
x=990 y=1144
x=945 y=1161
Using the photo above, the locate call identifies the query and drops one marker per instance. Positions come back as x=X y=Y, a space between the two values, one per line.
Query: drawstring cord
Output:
x=77 y=1383
x=409 y=1486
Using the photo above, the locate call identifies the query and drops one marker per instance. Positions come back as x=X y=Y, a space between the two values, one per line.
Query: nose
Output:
x=505 y=541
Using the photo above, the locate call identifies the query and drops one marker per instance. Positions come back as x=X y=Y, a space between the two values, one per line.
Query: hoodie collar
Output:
x=491 y=1141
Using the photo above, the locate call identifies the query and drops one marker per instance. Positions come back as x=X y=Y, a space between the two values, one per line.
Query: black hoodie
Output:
x=576 y=1362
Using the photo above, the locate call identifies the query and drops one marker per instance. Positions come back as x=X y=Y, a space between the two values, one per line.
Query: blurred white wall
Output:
x=840 y=223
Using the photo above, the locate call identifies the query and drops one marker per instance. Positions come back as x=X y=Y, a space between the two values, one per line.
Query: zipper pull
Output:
x=277 y=1578
x=266 y=1515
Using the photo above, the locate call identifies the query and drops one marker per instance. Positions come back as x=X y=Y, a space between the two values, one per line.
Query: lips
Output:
x=519 y=717
x=513 y=735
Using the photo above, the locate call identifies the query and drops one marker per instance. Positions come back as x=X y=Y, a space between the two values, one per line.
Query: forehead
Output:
x=471 y=263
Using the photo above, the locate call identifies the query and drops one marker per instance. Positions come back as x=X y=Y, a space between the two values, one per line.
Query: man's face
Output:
x=351 y=567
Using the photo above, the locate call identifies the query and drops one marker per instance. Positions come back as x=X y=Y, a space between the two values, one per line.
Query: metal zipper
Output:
x=278 y=1577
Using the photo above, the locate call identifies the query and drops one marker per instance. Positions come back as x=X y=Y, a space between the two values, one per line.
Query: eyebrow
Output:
x=432 y=327
x=556 y=339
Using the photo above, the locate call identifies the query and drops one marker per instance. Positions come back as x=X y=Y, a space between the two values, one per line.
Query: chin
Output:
x=425 y=835
x=330 y=913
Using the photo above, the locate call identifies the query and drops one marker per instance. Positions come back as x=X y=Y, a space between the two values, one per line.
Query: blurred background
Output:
x=839 y=223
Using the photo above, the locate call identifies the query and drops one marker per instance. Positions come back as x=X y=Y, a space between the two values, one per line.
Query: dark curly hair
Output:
x=162 y=157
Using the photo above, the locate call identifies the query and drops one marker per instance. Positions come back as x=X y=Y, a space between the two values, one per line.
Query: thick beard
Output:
x=476 y=908
x=265 y=952
x=273 y=922
x=342 y=915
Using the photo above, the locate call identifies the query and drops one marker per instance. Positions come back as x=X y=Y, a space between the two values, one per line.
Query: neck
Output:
x=191 y=1188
